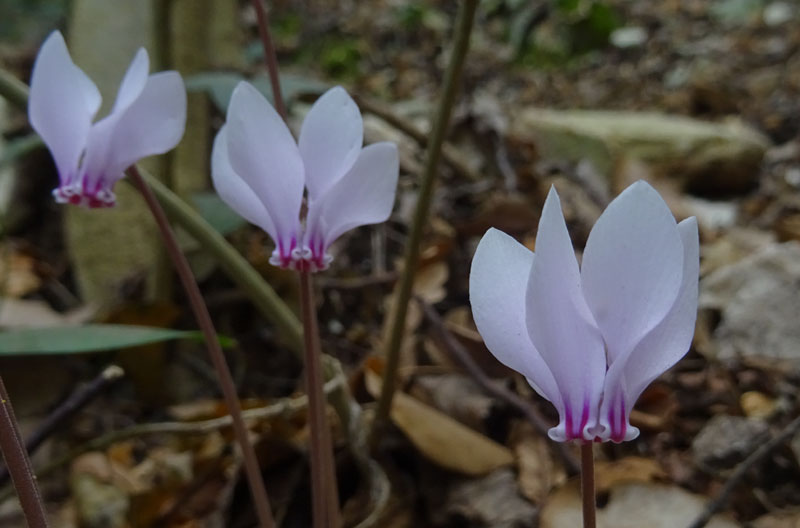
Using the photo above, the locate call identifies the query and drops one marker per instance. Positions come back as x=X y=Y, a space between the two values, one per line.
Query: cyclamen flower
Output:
x=260 y=171
x=148 y=118
x=590 y=340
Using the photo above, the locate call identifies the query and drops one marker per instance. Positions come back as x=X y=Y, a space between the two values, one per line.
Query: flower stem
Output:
x=270 y=57
x=252 y=469
x=18 y=464
x=452 y=80
x=324 y=492
x=324 y=489
x=587 y=485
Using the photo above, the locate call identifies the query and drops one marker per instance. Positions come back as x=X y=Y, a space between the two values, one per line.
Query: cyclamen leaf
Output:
x=88 y=338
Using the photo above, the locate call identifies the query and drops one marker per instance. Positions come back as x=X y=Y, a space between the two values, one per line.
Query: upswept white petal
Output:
x=133 y=81
x=365 y=195
x=500 y=267
x=153 y=123
x=665 y=344
x=63 y=101
x=632 y=267
x=264 y=154
x=330 y=140
x=234 y=191
x=561 y=328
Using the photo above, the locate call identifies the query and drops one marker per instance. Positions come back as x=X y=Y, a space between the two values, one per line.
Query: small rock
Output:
x=628 y=37
x=758 y=305
x=706 y=157
x=778 y=13
x=727 y=440
x=493 y=501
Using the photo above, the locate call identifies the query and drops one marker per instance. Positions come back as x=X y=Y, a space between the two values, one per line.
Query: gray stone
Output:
x=704 y=156
x=727 y=440
x=493 y=500
x=758 y=303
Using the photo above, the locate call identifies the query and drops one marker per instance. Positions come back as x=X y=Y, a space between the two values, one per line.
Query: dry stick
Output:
x=19 y=465
x=252 y=469
x=285 y=408
x=325 y=492
x=74 y=403
x=450 y=154
x=587 y=485
x=741 y=470
x=455 y=348
x=466 y=15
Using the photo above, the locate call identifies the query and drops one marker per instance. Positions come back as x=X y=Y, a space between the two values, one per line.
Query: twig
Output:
x=450 y=153
x=352 y=421
x=452 y=80
x=286 y=407
x=455 y=348
x=13 y=89
x=68 y=408
x=19 y=465
x=226 y=384
x=741 y=470
x=587 y=486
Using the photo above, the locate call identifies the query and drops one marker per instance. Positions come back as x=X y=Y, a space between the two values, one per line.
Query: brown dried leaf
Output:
x=440 y=438
x=17 y=275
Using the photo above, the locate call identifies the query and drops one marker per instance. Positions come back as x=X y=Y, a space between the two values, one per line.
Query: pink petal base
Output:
x=73 y=194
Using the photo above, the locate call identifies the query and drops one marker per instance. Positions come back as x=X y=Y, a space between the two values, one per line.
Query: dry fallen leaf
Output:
x=17 y=275
x=441 y=439
x=757 y=404
x=538 y=472
x=629 y=469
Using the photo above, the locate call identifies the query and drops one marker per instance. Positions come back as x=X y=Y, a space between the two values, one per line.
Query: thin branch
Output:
x=721 y=500
x=452 y=80
x=450 y=153
x=19 y=465
x=457 y=350
x=68 y=408
x=287 y=407
x=224 y=378
x=13 y=89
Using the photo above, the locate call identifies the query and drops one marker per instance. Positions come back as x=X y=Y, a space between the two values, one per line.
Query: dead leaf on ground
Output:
x=17 y=273
x=538 y=472
x=440 y=438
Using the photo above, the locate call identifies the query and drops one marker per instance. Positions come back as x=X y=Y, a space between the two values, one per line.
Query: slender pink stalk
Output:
x=325 y=496
x=18 y=464
x=270 y=57
x=587 y=485
x=324 y=489
x=251 y=466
